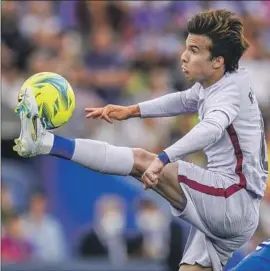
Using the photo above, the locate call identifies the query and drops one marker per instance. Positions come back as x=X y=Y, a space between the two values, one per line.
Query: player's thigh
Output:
x=228 y=222
x=196 y=267
x=202 y=210
x=224 y=216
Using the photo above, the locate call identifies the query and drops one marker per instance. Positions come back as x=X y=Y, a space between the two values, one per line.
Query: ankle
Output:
x=47 y=143
x=60 y=146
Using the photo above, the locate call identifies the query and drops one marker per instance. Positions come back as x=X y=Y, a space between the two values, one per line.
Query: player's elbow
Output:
x=216 y=123
x=215 y=130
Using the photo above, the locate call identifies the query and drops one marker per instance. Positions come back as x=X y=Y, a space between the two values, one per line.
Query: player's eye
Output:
x=193 y=50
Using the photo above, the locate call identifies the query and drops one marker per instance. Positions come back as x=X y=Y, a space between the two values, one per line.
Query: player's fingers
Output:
x=144 y=181
x=95 y=114
x=148 y=180
x=153 y=178
x=148 y=184
x=155 y=183
x=145 y=185
x=106 y=117
x=91 y=109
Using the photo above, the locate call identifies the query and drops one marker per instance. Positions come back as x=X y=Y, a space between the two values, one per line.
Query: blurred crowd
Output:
x=118 y=52
x=35 y=235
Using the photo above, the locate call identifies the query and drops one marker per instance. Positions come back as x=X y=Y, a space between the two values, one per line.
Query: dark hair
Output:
x=226 y=33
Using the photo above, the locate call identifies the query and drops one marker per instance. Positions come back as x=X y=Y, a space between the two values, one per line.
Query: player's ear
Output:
x=218 y=62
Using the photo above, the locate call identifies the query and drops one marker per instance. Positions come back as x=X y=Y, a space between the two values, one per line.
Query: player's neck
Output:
x=213 y=79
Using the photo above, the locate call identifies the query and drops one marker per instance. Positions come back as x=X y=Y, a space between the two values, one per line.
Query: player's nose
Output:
x=184 y=57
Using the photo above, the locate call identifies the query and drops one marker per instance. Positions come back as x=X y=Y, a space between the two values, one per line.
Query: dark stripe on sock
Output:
x=63 y=147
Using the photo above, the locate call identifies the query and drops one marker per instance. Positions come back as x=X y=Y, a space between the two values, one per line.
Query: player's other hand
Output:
x=150 y=176
x=112 y=112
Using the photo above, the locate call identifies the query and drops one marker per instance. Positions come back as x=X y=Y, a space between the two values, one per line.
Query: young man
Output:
x=222 y=201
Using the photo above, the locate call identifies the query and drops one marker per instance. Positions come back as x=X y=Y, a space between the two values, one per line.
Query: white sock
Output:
x=47 y=143
x=103 y=157
x=96 y=155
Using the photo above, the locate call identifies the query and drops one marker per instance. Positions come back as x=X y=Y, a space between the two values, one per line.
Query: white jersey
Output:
x=230 y=131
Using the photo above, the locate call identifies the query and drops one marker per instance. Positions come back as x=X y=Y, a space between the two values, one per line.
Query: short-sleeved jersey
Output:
x=241 y=152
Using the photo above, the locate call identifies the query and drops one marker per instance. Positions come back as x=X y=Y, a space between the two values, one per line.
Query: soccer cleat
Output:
x=32 y=131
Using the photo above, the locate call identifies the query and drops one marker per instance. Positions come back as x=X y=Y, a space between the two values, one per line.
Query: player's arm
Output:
x=171 y=104
x=219 y=116
x=164 y=106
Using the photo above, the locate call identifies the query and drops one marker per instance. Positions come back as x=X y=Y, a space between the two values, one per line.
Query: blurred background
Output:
x=55 y=213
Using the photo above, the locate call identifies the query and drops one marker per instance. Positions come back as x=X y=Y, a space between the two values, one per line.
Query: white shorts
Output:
x=222 y=219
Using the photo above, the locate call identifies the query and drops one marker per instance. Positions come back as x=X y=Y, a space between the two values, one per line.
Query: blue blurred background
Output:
x=56 y=213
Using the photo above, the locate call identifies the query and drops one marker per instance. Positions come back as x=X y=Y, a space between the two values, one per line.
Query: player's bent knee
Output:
x=196 y=267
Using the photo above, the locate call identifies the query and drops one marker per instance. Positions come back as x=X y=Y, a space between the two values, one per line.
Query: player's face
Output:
x=196 y=59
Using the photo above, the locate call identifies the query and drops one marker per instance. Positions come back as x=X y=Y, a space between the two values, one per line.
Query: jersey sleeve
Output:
x=171 y=104
x=227 y=100
x=222 y=108
x=202 y=135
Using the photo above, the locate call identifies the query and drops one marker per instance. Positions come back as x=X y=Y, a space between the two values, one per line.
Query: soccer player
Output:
x=258 y=260
x=220 y=202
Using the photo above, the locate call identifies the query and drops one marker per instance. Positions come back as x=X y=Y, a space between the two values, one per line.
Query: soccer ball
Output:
x=55 y=98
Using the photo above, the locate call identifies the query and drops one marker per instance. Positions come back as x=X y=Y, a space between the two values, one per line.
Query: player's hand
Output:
x=109 y=113
x=150 y=176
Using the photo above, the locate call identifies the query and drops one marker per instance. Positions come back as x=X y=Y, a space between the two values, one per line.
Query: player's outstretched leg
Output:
x=99 y=156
